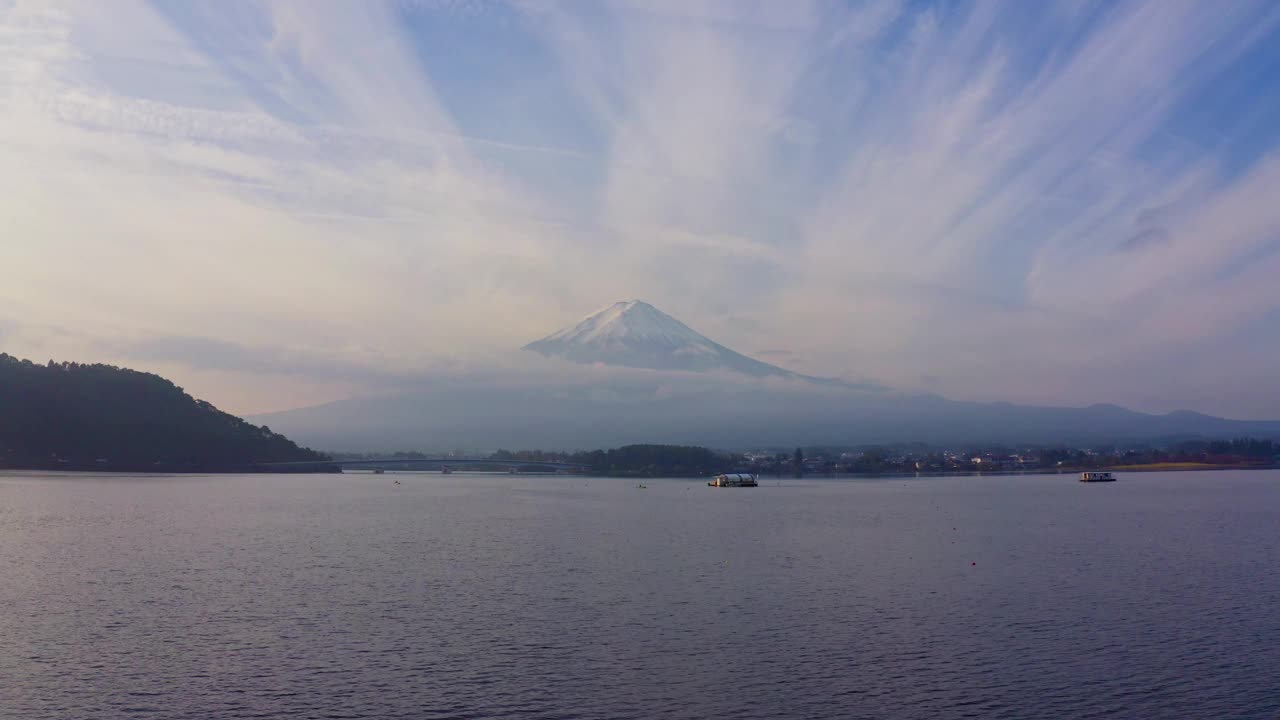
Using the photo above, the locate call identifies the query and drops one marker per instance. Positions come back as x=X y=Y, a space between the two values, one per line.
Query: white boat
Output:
x=733 y=480
x=1096 y=476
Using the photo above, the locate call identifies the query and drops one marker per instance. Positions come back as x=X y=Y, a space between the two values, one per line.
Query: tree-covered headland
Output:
x=73 y=416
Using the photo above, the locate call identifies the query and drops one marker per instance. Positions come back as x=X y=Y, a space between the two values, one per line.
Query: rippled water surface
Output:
x=556 y=597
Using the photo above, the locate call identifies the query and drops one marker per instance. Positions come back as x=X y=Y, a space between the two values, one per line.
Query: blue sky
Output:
x=279 y=204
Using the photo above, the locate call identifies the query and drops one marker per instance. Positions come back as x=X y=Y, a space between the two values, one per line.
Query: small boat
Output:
x=1097 y=477
x=733 y=480
x=378 y=471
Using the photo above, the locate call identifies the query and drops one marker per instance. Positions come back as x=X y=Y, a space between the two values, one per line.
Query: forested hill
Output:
x=74 y=416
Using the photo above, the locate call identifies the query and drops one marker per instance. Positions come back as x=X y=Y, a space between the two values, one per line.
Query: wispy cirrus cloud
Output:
x=1061 y=203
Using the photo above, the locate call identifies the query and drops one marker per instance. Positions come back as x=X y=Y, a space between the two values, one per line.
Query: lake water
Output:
x=562 y=597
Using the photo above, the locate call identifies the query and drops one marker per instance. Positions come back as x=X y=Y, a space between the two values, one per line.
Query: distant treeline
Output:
x=75 y=416
x=917 y=457
x=1242 y=447
x=637 y=460
x=684 y=460
x=1240 y=451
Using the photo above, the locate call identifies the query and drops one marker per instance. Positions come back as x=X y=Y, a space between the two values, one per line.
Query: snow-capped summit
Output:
x=636 y=334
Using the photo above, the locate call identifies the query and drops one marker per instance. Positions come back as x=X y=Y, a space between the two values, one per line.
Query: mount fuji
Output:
x=636 y=334
x=647 y=377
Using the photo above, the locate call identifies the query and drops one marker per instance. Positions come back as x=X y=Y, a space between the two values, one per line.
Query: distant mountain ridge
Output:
x=595 y=413
x=689 y=400
x=635 y=334
x=75 y=416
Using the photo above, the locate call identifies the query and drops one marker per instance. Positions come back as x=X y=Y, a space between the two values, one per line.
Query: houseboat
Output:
x=1097 y=477
x=733 y=480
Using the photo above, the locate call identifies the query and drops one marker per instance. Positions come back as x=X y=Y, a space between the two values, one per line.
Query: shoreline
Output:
x=1161 y=467
x=334 y=469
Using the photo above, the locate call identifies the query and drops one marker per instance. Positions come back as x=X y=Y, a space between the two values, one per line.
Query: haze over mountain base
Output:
x=630 y=373
x=609 y=407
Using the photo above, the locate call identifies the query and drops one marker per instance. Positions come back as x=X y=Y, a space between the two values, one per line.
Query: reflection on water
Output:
x=552 y=597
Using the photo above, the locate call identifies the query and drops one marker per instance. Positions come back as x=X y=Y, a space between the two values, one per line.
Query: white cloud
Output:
x=929 y=196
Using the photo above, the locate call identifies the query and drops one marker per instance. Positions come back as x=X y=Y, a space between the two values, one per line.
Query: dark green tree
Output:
x=74 y=416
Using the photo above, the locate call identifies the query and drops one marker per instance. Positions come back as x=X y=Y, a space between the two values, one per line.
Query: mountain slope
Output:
x=593 y=413
x=638 y=335
x=73 y=416
x=611 y=406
